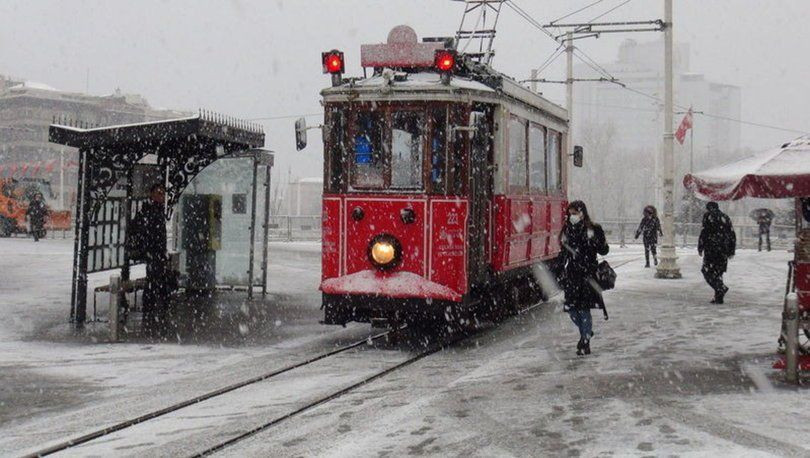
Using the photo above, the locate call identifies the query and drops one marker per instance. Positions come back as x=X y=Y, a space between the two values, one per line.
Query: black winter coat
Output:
x=580 y=246
x=717 y=240
x=37 y=211
x=650 y=227
x=148 y=233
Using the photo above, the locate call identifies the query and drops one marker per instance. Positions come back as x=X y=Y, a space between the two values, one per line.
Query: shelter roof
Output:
x=203 y=128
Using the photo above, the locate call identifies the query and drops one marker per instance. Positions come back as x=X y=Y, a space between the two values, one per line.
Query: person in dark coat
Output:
x=764 y=218
x=37 y=212
x=650 y=228
x=582 y=240
x=716 y=244
x=149 y=238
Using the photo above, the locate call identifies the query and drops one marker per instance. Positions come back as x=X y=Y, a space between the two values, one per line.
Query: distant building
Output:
x=28 y=108
x=624 y=130
x=303 y=197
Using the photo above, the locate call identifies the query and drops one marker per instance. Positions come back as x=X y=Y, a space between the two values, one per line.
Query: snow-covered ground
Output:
x=671 y=374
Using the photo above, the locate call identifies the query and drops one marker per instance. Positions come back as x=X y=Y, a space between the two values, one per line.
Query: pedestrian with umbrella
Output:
x=764 y=218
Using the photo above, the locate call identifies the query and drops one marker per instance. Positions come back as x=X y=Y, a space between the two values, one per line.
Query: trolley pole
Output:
x=668 y=267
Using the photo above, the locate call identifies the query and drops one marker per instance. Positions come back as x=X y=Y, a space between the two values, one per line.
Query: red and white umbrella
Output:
x=775 y=174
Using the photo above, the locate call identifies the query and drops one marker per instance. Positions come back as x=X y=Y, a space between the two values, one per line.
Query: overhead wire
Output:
x=577 y=11
x=610 y=10
x=581 y=55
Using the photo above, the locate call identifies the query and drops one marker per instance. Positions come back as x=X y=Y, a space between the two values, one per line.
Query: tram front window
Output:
x=368 y=155
x=406 y=149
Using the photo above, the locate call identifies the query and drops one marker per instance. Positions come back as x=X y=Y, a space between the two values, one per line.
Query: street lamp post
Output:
x=668 y=267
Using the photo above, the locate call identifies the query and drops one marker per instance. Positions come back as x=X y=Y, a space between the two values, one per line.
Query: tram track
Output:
x=325 y=399
x=83 y=439
x=107 y=431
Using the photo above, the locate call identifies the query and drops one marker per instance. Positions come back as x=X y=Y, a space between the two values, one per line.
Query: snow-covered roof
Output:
x=34 y=85
x=421 y=80
x=776 y=173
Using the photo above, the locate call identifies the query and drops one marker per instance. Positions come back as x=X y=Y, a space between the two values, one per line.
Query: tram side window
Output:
x=368 y=166
x=458 y=151
x=407 y=143
x=517 y=154
x=438 y=150
x=553 y=161
x=336 y=156
x=537 y=158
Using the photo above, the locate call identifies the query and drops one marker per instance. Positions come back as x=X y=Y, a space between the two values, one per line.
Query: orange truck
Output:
x=14 y=198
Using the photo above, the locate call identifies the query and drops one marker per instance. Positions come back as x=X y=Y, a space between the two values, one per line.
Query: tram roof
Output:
x=429 y=83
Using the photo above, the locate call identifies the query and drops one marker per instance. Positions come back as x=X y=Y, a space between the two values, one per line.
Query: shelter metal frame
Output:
x=183 y=148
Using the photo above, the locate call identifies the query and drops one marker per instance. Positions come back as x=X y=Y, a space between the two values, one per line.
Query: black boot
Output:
x=586 y=347
x=580 y=346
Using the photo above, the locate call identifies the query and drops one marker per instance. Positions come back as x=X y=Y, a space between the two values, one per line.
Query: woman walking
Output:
x=582 y=240
x=650 y=228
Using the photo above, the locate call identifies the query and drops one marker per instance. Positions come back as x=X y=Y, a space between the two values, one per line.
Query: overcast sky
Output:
x=257 y=59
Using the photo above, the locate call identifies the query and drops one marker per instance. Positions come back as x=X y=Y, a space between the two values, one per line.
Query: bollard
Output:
x=791 y=319
x=115 y=286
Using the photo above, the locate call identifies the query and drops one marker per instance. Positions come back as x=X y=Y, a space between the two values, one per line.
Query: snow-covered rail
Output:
x=70 y=443
x=343 y=391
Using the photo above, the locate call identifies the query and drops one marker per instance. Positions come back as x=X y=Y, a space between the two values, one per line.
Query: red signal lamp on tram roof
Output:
x=445 y=60
x=333 y=62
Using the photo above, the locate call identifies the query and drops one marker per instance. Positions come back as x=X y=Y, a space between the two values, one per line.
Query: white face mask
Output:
x=574 y=219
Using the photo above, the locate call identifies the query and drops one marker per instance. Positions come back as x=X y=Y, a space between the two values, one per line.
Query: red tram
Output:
x=444 y=185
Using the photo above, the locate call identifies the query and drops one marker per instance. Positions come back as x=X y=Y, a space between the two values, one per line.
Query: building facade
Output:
x=622 y=130
x=28 y=108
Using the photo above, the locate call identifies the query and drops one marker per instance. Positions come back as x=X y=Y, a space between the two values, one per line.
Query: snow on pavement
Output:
x=670 y=376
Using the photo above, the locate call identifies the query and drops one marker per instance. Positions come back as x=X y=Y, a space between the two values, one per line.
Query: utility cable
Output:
x=610 y=10
x=577 y=11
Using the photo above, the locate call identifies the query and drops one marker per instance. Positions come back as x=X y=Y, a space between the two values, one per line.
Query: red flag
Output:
x=686 y=124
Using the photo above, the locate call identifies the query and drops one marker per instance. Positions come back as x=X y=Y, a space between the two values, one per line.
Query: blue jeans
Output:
x=582 y=318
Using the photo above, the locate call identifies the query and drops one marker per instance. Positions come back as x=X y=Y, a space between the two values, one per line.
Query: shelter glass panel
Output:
x=214 y=237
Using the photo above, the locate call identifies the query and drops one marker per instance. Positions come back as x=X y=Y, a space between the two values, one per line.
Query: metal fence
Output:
x=623 y=232
x=282 y=227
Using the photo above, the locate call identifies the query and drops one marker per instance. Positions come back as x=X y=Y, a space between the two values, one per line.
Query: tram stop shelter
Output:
x=117 y=167
x=779 y=173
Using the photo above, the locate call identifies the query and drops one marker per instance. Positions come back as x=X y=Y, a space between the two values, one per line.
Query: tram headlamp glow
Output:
x=383 y=253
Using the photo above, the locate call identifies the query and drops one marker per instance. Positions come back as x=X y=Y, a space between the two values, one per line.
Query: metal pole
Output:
x=569 y=91
x=791 y=318
x=78 y=220
x=266 y=228
x=534 y=80
x=252 y=229
x=668 y=267
x=62 y=178
x=115 y=287
x=84 y=235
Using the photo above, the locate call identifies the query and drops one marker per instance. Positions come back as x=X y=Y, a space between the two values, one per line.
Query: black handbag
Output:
x=605 y=276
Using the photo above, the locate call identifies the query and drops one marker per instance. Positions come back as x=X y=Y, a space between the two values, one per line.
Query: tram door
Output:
x=480 y=192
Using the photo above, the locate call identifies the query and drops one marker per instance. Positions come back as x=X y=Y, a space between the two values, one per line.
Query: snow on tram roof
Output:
x=422 y=80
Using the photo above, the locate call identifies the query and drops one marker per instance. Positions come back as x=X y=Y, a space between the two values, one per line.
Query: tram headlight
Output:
x=384 y=251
